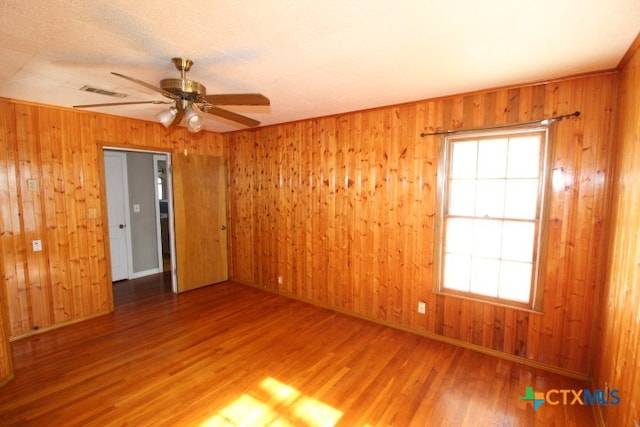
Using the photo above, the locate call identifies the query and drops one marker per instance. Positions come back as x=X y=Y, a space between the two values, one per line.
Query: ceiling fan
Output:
x=189 y=98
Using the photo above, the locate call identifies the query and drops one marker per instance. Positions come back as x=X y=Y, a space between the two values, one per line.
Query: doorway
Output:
x=195 y=219
x=138 y=198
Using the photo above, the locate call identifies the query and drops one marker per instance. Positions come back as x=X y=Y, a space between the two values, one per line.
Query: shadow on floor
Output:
x=136 y=290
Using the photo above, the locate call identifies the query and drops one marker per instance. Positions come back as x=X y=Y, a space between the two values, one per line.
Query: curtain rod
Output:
x=544 y=122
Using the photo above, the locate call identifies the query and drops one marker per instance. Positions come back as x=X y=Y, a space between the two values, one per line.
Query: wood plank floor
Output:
x=232 y=355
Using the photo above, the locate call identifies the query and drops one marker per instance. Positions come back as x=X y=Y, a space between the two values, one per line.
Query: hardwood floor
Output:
x=138 y=290
x=233 y=355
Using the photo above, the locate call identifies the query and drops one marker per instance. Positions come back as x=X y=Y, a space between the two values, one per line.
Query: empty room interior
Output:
x=318 y=213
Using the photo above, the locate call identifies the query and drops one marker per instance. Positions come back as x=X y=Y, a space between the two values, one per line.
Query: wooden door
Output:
x=115 y=165
x=200 y=212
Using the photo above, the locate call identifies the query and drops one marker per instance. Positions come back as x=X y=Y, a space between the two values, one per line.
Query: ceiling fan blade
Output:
x=148 y=86
x=226 y=114
x=237 y=99
x=110 y=104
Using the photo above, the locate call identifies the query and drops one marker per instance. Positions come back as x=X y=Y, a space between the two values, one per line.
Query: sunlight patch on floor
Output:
x=274 y=403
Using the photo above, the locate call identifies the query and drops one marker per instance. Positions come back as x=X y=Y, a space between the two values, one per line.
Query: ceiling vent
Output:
x=86 y=88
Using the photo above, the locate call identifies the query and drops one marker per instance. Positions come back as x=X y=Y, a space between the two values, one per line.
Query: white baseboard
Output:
x=144 y=273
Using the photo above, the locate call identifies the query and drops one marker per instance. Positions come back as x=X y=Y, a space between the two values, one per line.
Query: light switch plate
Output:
x=32 y=184
x=36 y=245
x=136 y=208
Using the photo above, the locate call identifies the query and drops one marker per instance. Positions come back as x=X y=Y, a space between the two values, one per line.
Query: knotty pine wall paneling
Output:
x=342 y=208
x=7 y=184
x=6 y=360
x=617 y=348
x=61 y=150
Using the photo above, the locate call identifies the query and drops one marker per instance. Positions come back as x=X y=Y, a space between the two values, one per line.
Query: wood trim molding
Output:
x=630 y=52
x=443 y=98
x=6 y=380
x=55 y=326
x=597 y=411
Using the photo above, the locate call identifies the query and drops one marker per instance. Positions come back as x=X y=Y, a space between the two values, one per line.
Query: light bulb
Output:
x=167 y=117
x=194 y=120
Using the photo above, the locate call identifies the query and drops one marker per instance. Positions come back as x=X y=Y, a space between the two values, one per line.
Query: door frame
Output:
x=159 y=158
x=172 y=230
x=171 y=223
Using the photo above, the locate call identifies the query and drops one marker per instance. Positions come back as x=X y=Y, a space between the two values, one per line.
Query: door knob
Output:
x=121 y=226
x=223 y=227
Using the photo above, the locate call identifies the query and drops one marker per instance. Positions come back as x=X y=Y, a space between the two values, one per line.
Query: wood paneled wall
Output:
x=343 y=207
x=618 y=344
x=62 y=150
x=6 y=362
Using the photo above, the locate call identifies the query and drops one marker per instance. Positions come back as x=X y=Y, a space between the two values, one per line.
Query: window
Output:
x=490 y=216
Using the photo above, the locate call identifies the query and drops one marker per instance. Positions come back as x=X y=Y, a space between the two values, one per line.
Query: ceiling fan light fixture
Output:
x=167 y=117
x=195 y=121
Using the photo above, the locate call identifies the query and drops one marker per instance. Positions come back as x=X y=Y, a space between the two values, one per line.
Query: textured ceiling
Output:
x=310 y=57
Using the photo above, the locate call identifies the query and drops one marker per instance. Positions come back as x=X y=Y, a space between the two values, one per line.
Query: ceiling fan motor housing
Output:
x=186 y=89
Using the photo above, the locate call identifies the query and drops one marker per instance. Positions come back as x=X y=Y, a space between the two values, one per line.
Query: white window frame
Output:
x=534 y=301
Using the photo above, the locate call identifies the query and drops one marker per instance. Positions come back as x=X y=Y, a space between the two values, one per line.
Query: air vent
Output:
x=102 y=92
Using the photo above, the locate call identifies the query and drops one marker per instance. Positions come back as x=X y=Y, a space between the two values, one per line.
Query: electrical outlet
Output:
x=280 y=280
x=422 y=307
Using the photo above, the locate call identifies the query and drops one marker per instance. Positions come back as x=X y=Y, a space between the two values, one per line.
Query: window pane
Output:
x=457 y=272
x=515 y=281
x=524 y=157
x=521 y=198
x=491 y=216
x=492 y=158
x=487 y=238
x=462 y=198
x=464 y=157
x=518 y=241
x=490 y=198
x=485 y=276
x=459 y=232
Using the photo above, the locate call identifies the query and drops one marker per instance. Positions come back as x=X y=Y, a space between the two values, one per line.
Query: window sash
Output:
x=484 y=273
